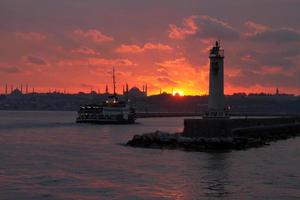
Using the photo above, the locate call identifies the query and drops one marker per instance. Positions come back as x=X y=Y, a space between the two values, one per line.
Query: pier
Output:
x=167 y=114
x=246 y=127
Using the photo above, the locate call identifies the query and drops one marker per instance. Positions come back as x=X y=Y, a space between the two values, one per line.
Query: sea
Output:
x=47 y=156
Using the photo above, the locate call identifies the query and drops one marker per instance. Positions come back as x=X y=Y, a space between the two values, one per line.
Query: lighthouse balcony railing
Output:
x=214 y=54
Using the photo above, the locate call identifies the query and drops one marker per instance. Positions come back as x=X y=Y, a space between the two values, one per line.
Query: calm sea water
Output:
x=45 y=155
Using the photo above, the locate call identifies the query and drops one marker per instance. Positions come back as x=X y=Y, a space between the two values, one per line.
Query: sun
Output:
x=178 y=93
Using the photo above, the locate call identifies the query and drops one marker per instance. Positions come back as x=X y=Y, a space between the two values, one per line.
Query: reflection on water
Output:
x=217 y=178
x=44 y=155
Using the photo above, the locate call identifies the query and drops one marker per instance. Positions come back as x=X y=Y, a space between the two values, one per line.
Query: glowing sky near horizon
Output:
x=73 y=44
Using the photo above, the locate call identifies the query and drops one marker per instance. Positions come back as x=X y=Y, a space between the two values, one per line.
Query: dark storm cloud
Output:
x=10 y=70
x=291 y=51
x=247 y=78
x=203 y=27
x=35 y=60
x=277 y=36
x=256 y=60
x=210 y=27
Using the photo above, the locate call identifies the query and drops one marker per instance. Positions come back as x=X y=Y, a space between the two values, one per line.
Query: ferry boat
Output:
x=112 y=111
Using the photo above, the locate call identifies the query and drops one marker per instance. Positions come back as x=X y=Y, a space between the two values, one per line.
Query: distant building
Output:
x=16 y=93
x=135 y=93
x=277 y=91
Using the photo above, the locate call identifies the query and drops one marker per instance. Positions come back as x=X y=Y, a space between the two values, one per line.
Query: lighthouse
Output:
x=216 y=102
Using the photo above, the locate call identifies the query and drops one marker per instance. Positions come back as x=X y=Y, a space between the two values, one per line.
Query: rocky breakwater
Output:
x=163 y=140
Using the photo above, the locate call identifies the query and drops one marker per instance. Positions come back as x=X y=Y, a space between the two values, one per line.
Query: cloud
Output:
x=262 y=33
x=188 y=28
x=291 y=51
x=85 y=51
x=162 y=72
x=35 y=60
x=95 y=44
x=248 y=78
x=130 y=49
x=167 y=80
x=203 y=27
x=92 y=61
x=181 y=72
x=33 y=36
x=110 y=62
x=256 y=27
x=93 y=35
x=138 y=49
x=253 y=58
x=173 y=63
x=10 y=70
x=277 y=36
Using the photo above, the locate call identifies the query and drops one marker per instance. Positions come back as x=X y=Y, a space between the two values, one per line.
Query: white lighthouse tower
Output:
x=216 y=102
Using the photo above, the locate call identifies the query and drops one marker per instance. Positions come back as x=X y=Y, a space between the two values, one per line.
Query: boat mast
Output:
x=114 y=81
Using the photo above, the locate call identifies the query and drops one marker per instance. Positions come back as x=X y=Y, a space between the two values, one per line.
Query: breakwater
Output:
x=200 y=114
x=247 y=127
x=222 y=134
x=166 y=114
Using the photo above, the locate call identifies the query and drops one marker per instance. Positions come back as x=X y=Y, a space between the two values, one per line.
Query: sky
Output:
x=72 y=45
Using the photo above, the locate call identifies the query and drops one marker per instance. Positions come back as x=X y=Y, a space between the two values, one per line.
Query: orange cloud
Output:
x=137 y=49
x=202 y=27
x=93 y=35
x=129 y=49
x=110 y=62
x=256 y=27
x=167 y=81
x=248 y=58
x=189 y=28
x=85 y=51
x=96 y=62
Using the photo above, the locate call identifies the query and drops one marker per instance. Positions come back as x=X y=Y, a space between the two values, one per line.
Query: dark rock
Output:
x=160 y=139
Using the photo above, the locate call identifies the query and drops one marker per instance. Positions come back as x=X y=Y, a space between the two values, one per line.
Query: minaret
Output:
x=106 y=89
x=114 y=81
x=146 y=90
x=126 y=91
x=216 y=103
x=6 y=92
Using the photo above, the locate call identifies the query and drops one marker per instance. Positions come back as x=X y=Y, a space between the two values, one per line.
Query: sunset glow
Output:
x=74 y=49
x=178 y=93
x=149 y=99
